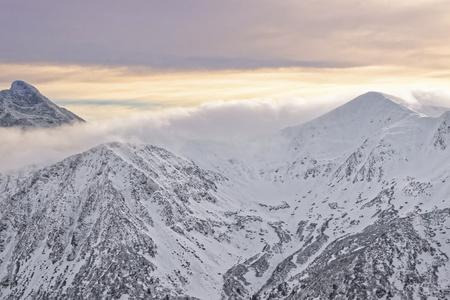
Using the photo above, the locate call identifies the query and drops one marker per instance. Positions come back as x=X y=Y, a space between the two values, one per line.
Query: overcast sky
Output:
x=146 y=55
x=241 y=34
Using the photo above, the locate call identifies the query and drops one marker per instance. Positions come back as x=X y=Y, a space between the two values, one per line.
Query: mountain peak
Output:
x=24 y=106
x=370 y=106
x=350 y=124
x=373 y=96
x=375 y=103
x=22 y=86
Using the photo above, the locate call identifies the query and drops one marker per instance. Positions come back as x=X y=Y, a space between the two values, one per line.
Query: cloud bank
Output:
x=220 y=121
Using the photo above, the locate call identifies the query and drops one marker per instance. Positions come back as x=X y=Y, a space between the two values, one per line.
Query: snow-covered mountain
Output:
x=352 y=205
x=24 y=106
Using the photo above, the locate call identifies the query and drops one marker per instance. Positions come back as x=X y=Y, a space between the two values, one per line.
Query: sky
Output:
x=106 y=59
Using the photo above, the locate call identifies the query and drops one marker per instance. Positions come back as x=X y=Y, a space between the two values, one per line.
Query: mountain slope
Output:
x=93 y=217
x=336 y=179
x=22 y=105
x=405 y=258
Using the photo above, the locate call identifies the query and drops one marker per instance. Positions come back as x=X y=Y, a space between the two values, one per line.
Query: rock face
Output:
x=397 y=259
x=113 y=206
x=23 y=106
x=355 y=206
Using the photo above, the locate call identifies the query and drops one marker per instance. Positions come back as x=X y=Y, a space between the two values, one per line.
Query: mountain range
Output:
x=351 y=205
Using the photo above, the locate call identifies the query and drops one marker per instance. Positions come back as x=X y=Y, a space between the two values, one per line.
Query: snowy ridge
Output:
x=351 y=205
x=24 y=106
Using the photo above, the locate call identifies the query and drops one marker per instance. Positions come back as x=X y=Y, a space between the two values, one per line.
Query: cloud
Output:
x=230 y=122
x=221 y=121
x=431 y=96
x=234 y=34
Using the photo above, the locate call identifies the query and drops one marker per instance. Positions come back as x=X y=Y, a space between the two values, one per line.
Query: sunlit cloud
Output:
x=99 y=93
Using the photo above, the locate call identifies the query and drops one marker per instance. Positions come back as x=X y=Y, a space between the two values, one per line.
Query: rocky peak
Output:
x=19 y=86
x=24 y=106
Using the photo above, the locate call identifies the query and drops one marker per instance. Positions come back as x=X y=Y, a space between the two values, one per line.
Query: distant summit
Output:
x=21 y=87
x=24 y=106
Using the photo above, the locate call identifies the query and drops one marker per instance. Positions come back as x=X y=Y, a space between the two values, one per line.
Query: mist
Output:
x=228 y=122
x=218 y=121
